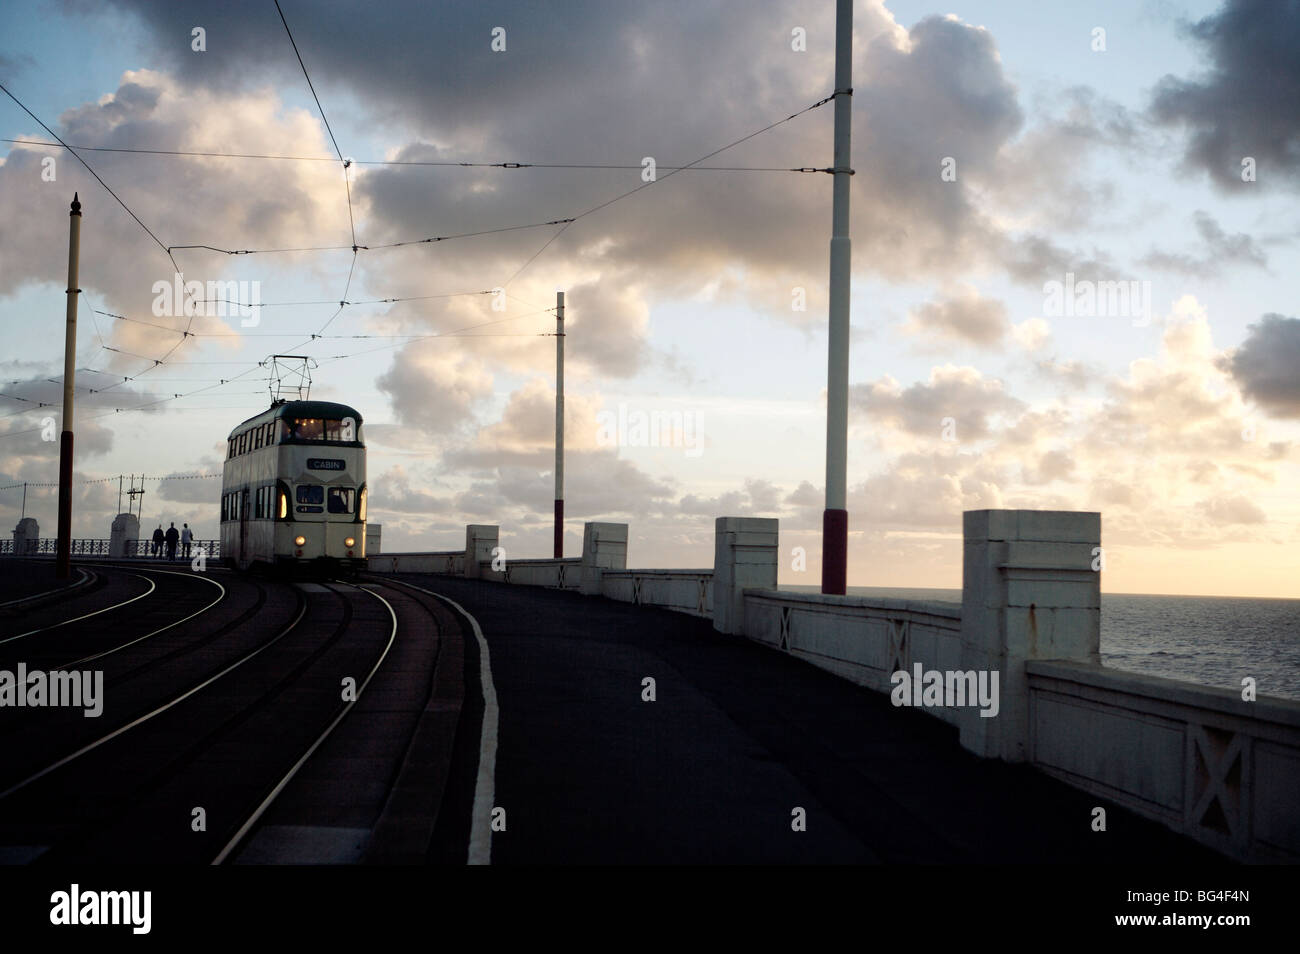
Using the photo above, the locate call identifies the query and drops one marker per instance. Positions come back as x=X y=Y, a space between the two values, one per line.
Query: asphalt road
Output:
x=738 y=738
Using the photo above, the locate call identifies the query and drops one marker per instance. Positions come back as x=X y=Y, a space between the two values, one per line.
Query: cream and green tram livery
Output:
x=293 y=489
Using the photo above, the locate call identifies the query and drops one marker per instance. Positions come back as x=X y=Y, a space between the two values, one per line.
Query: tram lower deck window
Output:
x=311 y=494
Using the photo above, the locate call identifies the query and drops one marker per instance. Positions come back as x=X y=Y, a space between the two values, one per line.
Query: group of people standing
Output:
x=166 y=541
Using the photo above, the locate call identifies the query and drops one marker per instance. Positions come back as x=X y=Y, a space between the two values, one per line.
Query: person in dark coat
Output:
x=158 y=539
x=172 y=536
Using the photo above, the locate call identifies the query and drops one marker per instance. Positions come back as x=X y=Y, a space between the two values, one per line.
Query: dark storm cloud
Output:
x=1267 y=365
x=1245 y=105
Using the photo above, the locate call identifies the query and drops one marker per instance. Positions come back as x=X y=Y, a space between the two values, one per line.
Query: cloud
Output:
x=191 y=489
x=525 y=432
x=1163 y=452
x=759 y=498
x=434 y=389
x=465 y=102
x=1244 y=105
x=1221 y=249
x=1032 y=334
x=964 y=316
x=961 y=393
x=1070 y=372
x=1229 y=510
x=1267 y=364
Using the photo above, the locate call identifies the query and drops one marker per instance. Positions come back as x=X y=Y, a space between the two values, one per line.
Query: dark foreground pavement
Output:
x=739 y=737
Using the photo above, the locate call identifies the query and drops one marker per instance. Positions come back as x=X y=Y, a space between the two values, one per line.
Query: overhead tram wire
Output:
x=166 y=250
x=321 y=109
x=645 y=185
x=563 y=222
x=369 y=248
x=436 y=163
x=106 y=186
x=355 y=248
x=153 y=403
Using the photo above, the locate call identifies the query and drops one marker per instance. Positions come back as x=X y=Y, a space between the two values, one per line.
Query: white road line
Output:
x=480 y=833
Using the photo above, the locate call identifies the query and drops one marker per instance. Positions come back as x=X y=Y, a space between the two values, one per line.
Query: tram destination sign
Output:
x=326 y=463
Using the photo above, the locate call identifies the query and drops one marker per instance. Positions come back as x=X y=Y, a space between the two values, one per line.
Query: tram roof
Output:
x=329 y=410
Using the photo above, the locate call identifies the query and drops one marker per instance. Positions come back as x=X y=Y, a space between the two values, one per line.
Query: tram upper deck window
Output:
x=341 y=499
x=321 y=429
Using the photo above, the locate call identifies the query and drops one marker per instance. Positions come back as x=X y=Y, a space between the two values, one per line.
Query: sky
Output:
x=1010 y=159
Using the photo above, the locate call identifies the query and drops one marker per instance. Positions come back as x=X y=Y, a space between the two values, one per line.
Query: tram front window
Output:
x=341 y=499
x=307 y=429
x=311 y=494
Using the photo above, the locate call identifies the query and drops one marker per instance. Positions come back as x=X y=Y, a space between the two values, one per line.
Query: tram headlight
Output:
x=349 y=542
x=299 y=541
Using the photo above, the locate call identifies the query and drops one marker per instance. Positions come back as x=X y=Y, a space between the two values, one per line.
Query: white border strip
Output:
x=480 y=832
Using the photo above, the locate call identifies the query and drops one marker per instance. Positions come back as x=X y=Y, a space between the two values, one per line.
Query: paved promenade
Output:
x=738 y=737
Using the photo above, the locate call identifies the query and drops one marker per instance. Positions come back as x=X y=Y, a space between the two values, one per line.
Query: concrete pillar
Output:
x=1029 y=591
x=374 y=533
x=744 y=556
x=124 y=537
x=480 y=540
x=604 y=547
x=25 y=536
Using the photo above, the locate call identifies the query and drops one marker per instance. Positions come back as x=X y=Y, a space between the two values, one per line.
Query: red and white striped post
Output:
x=559 y=424
x=835 y=519
x=63 y=558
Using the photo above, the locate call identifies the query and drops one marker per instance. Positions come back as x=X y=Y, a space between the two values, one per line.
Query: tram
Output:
x=293 y=489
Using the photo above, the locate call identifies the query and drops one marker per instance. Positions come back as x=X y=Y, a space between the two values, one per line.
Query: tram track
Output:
x=191 y=738
x=145 y=675
x=228 y=717
x=256 y=815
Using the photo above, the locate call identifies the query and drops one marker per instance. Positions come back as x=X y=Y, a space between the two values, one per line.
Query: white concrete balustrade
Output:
x=686 y=591
x=1202 y=761
x=864 y=639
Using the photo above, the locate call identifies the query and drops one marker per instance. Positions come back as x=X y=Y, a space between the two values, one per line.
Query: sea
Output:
x=1208 y=640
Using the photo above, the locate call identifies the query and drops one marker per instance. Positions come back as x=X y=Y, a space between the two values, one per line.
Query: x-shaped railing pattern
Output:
x=1217 y=763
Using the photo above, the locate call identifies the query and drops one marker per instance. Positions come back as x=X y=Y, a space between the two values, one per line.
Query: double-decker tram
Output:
x=293 y=489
